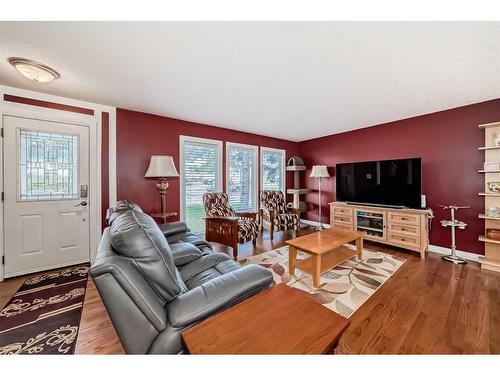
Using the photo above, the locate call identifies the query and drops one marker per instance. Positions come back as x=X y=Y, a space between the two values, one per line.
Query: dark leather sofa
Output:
x=157 y=281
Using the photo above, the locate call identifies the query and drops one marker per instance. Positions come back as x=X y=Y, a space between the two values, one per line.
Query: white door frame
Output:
x=94 y=124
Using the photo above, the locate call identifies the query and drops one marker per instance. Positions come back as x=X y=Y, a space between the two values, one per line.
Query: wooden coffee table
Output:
x=279 y=320
x=325 y=250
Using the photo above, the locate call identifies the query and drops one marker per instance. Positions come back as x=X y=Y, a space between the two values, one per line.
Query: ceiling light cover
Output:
x=33 y=70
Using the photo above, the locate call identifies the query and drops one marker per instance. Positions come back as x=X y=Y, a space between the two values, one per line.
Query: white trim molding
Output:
x=112 y=157
x=447 y=251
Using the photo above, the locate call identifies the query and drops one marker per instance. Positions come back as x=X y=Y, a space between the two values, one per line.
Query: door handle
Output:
x=82 y=203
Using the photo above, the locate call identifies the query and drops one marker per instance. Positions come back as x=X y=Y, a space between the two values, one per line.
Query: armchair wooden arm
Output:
x=223 y=230
x=250 y=215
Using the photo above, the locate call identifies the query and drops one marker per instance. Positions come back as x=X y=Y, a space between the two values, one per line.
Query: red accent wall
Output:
x=140 y=135
x=447 y=142
x=104 y=167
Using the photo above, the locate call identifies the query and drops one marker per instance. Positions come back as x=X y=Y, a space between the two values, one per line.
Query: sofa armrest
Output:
x=184 y=253
x=218 y=294
x=175 y=227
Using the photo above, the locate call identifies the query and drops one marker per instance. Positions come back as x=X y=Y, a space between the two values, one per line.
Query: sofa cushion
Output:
x=136 y=235
x=207 y=268
x=184 y=252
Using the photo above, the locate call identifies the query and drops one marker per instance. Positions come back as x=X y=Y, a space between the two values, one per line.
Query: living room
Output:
x=264 y=187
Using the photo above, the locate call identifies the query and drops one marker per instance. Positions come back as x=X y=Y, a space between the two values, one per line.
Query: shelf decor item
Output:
x=493 y=186
x=162 y=167
x=493 y=234
x=491 y=166
x=320 y=172
x=493 y=212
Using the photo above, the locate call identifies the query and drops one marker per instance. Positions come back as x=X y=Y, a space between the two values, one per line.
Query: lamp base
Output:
x=454 y=259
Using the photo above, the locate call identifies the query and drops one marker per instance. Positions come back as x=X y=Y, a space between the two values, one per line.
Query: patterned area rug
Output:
x=344 y=288
x=43 y=317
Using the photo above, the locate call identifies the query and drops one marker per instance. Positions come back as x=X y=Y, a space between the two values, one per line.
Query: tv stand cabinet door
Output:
x=367 y=236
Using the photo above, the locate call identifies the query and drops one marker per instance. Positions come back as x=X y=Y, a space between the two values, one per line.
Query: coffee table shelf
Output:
x=328 y=261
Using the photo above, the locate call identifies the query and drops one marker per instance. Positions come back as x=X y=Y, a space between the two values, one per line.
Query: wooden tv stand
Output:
x=406 y=228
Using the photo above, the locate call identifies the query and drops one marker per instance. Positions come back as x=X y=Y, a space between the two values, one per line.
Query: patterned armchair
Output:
x=274 y=215
x=226 y=226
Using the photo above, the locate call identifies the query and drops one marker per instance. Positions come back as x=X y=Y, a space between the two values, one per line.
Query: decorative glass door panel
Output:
x=48 y=165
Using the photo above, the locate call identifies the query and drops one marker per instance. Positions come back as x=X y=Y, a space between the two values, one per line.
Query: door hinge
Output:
x=3 y=259
x=2 y=132
x=2 y=196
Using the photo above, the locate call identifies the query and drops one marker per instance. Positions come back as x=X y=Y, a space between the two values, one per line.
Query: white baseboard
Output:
x=432 y=248
x=446 y=251
x=313 y=223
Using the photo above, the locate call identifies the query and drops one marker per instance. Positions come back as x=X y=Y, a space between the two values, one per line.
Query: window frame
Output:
x=219 y=167
x=283 y=171
x=256 y=168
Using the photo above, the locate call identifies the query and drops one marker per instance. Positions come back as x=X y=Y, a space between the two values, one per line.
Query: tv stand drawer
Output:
x=405 y=230
x=344 y=220
x=403 y=218
x=402 y=240
x=342 y=211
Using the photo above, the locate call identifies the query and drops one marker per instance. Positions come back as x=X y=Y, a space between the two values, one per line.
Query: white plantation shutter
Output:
x=241 y=166
x=272 y=169
x=201 y=171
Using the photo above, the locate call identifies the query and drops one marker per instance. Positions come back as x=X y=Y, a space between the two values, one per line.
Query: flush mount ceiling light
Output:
x=33 y=70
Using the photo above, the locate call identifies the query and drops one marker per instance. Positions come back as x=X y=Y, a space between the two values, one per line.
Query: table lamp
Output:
x=320 y=172
x=162 y=167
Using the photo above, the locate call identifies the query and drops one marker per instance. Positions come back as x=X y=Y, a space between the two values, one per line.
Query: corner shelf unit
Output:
x=491 y=258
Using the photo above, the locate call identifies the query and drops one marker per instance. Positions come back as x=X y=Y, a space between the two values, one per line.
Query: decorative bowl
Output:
x=493 y=234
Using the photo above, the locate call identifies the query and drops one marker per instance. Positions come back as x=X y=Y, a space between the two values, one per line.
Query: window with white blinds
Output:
x=201 y=167
x=241 y=176
x=272 y=169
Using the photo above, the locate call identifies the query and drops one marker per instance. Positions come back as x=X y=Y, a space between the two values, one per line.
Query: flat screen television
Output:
x=393 y=183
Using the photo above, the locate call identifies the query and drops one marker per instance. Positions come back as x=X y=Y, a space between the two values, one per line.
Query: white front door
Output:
x=46 y=209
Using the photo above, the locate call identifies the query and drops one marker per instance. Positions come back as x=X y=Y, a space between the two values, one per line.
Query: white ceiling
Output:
x=295 y=80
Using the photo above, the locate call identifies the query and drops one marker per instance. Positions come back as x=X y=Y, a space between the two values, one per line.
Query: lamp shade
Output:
x=319 y=171
x=161 y=166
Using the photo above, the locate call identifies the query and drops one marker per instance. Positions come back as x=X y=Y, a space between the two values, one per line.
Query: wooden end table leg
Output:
x=292 y=259
x=359 y=248
x=316 y=271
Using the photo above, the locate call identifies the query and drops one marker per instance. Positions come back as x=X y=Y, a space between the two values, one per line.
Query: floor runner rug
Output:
x=43 y=317
x=344 y=288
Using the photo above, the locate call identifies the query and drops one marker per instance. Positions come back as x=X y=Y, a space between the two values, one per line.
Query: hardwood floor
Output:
x=429 y=306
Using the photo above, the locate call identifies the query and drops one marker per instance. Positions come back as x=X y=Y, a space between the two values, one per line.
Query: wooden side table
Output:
x=279 y=320
x=163 y=217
